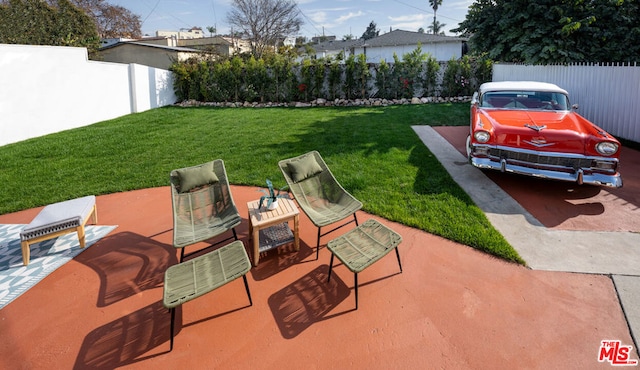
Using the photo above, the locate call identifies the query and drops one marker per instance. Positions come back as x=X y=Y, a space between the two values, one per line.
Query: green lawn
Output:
x=372 y=151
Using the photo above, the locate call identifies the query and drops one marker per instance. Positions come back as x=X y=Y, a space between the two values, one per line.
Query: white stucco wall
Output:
x=47 y=89
x=152 y=88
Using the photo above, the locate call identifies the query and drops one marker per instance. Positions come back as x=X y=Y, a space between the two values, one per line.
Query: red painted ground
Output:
x=453 y=307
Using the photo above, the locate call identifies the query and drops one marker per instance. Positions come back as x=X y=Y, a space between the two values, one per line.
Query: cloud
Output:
x=346 y=17
x=409 y=22
x=408 y=18
x=461 y=4
x=318 y=16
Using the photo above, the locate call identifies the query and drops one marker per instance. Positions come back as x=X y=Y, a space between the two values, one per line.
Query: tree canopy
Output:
x=436 y=28
x=371 y=31
x=112 y=21
x=554 y=31
x=265 y=22
x=34 y=22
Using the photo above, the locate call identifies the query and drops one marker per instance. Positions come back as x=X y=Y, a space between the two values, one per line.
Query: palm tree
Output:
x=435 y=4
x=436 y=27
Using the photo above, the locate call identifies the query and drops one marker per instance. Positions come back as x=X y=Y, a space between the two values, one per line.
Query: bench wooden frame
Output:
x=26 y=240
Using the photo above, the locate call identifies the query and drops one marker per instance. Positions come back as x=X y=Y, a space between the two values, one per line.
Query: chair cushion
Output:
x=303 y=168
x=193 y=177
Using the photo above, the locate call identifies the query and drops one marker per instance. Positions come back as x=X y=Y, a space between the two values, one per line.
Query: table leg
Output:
x=296 y=235
x=250 y=228
x=256 y=245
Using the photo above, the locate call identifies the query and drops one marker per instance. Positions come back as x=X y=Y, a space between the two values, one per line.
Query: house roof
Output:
x=400 y=37
x=336 y=45
x=164 y=47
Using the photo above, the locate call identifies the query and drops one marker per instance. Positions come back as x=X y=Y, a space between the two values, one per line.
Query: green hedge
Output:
x=279 y=78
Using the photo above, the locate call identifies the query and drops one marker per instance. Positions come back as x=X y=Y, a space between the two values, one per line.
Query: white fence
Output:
x=47 y=89
x=608 y=96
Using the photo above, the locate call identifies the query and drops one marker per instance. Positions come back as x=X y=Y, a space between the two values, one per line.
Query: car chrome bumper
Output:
x=581 y=175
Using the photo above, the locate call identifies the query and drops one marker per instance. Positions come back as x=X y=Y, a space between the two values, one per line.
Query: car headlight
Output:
x=607 y=148
x=482 y=136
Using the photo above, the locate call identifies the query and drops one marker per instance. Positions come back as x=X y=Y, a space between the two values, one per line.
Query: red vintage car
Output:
x=530 y=128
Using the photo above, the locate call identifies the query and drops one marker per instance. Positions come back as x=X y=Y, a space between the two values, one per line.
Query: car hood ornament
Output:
x=535 y=127
x=539 y=142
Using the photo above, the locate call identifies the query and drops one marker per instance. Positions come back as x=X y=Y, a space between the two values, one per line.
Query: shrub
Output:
x=457 y=77
x=278 y=78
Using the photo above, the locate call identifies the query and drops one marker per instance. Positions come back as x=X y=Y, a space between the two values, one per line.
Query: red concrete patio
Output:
x=452 y=307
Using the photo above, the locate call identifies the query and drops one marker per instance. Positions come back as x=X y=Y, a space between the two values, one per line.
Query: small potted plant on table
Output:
x=272 y=196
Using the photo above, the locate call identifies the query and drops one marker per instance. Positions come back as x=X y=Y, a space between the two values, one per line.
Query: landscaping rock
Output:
x=339 y=102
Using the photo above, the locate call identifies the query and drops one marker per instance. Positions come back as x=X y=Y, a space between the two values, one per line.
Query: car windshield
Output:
x=543 y=100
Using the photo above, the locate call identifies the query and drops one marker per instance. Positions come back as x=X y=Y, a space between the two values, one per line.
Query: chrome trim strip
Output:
x=546 y=154
x=614 y=181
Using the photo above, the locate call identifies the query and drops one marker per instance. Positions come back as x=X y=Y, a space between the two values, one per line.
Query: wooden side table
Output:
x=269 y=229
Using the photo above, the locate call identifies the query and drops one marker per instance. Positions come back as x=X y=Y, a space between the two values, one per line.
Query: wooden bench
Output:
x=58 y=219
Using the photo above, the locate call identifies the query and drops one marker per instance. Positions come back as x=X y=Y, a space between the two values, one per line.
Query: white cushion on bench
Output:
x=59 y=216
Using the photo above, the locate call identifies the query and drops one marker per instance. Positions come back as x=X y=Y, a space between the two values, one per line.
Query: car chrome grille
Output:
x=537 y=159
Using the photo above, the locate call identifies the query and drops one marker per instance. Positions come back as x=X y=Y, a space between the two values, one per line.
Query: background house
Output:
x=193 y=33
x=219 y=45
x=442 y=48
x=147 y=53
x=332 y=48
x=382 y=47
x=162 y=51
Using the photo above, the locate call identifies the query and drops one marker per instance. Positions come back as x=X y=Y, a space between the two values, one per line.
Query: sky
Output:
x=321 y=17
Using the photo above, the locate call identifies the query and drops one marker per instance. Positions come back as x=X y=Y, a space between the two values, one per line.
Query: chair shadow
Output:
x=278 y=259
x=122 y=341
x=307 y=301
x=127 y=264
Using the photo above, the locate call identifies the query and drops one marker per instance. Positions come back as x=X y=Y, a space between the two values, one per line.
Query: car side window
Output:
x=561 y=101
